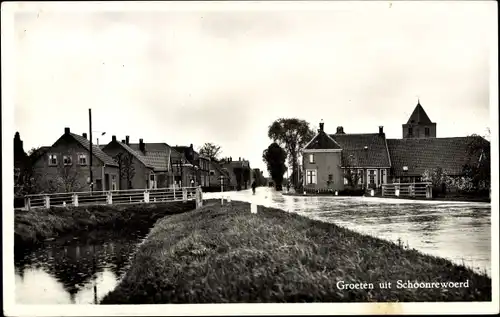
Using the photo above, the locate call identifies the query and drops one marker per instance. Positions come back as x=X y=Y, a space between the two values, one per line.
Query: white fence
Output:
x=416 y=190
x=117 y=197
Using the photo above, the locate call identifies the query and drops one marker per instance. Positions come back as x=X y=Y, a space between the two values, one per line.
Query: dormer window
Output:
x=427 y=132
x=410 y=131
x=52 y=160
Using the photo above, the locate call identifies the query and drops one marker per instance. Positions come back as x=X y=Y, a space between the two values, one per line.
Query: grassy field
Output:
x=228 y=255
x=35 y=226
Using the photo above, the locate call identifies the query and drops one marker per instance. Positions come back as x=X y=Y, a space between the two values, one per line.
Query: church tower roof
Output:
x=419 y=116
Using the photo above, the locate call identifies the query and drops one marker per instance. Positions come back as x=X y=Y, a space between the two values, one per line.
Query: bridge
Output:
x=116 y=197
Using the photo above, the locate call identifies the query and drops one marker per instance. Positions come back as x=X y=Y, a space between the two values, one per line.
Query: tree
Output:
x=478 y=169
x=68 y=179
x=352 y=174
x=126 y=168
x=292 y=134
x=274 y=157
x=210 y=150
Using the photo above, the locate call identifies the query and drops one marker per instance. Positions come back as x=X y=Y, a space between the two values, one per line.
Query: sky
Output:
x=222 y=74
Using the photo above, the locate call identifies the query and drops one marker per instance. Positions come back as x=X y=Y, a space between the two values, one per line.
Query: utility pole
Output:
x=90 y=149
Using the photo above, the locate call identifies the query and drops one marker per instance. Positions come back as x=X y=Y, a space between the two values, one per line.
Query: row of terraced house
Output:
x=66 y=166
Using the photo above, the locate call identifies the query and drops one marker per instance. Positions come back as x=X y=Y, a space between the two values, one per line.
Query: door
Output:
x=372 y=178
x=106 y=182
x=98 y=184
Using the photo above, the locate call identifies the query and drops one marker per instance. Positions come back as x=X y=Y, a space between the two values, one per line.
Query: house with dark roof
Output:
x=330 y=160
x=197 y=166
x=160 y=157
x=135 y=170
x=65 y=166
x=240 y=172
x=328 y=157
x=216 y=173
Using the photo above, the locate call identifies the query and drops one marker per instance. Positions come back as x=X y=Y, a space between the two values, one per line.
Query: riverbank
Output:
x=439 y=198
x=225 y=254
x=35 y=226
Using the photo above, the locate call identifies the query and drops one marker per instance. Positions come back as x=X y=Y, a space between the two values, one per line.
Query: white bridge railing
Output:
x=417 y=190
x=116 y=197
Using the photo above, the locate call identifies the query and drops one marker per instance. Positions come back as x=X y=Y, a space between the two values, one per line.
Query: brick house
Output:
x=334 y=161
x=64 y=166
x=197 y=166
x=216 y=173
x=134 y=169
x=327 y=158
x=240 y=172
x=160 y=157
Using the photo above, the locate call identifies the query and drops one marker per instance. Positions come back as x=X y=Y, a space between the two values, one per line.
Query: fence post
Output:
x=47 y=201
x=27 y=203
x=174 y=189
x=146 y=196
x=383 y=190
x=109 y=198
x=199 y=197
x=428 y=191
x=75 y=200
x=184 y=194
x=396 y=190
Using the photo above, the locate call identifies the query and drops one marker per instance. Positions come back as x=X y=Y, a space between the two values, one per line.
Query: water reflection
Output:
x=74 y=270
x=459 y=231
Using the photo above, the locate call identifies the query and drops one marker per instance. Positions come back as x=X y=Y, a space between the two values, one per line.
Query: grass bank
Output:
x=34 y=226
x=221 y=254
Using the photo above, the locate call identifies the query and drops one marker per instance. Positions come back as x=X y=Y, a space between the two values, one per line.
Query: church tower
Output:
x=419 y=125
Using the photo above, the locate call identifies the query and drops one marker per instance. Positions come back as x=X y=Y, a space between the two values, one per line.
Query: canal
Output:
x=83 y=268
x=458 y=231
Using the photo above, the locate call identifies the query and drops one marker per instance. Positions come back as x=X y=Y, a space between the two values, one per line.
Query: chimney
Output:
x=84 y=134
x=66 y=131
x=321 y=125
x=340 y=130
x=127 y=139
x=17 y=137
x=381 y=130
x=113 y=138
x=142 y=146
x=123 y=141
x=239 y=158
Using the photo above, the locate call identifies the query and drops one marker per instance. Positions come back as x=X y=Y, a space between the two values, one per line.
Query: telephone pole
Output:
x=90 y=149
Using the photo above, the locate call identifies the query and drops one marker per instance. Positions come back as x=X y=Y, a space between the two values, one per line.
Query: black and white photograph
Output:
x=284 y=157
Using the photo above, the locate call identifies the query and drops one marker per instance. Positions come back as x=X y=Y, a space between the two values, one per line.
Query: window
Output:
x=382 y=177
x=212 y=172
x=311 y=177
x=311 y=158
x=52 y=159
x=152 y=180
x=330 y=177
x=427 y=132
x=113 y=182
x=82 y=159
x=67 y=160
x=410 y=131
x=346 y=181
